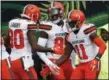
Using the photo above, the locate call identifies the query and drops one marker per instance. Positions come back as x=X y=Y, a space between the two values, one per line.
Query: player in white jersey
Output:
x=22 y=34
x=88 y=46
x=55 y=37
x=6 y=71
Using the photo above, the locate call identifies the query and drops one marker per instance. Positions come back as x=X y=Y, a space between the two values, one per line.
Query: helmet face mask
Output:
x=55 y=15
x=55 y=12
x=73 y=24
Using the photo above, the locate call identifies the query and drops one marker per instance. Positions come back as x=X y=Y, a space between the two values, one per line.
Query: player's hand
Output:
x=54 y=69
x=50 y=68
x=58 y=50
x=94 y=64
x=45 y=72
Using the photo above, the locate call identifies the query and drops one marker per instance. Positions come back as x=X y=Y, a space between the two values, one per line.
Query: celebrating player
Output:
x=22 y=34
x=88 y=46
x=54 y=35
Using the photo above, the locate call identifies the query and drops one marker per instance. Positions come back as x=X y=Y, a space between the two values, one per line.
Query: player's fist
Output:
x=54 y=69
x=95 y=64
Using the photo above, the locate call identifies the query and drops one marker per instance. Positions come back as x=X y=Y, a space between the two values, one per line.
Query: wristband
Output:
x=98 y=56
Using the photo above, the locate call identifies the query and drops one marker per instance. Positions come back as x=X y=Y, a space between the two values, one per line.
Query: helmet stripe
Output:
x=25 y=8
x=69 y=14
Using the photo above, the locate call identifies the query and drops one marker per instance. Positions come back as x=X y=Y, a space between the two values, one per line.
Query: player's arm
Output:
x=61 y=60
x=7 y=42
x=100 y=43
x=42 y=40
x=66 y=55
x=32 y=40
x=6 y=38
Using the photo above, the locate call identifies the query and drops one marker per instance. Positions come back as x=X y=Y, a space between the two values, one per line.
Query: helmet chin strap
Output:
x=23 y=15
x=75 y=28
x=57 y=21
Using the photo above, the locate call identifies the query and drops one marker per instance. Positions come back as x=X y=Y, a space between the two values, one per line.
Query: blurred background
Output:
x=97 y=12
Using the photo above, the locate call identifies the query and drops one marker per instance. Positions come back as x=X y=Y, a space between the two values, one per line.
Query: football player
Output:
x=88 y=46
x=6 y=71
x=22 y=34
x=55 y=36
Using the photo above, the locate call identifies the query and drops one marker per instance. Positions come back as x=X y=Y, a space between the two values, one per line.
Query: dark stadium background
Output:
x=92 y=8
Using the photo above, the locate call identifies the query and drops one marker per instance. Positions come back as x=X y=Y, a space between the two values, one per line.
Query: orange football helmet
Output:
x=76 y=16
x=32 y=12
x=56 y=11
x=57 y=5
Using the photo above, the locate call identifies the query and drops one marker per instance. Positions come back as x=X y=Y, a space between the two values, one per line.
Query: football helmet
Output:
x=31 y=11
x=76 y=18
x=55 y=11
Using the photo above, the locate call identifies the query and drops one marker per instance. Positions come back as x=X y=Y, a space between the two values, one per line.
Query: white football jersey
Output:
x=3 y=54
x=56 y=37
x=18 y=29
x=84 y=47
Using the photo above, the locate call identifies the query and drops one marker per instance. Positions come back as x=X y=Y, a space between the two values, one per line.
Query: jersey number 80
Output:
x=16 y=38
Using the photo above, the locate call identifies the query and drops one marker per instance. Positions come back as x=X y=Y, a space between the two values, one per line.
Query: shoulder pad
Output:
x=45 y=27
x=32 y=26
x=90 y=28
x=12 y=20
x=46 y=22
x=31 y=22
